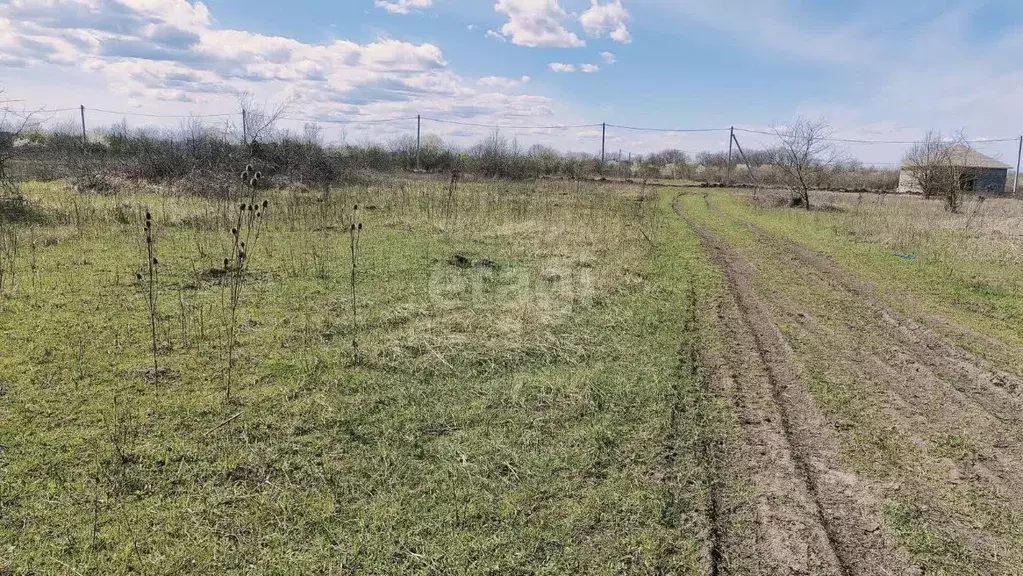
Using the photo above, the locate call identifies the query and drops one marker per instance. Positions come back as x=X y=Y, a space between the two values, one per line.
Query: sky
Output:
x=364 y=69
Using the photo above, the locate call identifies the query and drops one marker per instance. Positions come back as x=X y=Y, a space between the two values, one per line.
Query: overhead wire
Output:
x=638 y=129
x=349 y=121
x=148 y=115
x=371 y=121
x=863 y=141
x=511 y=126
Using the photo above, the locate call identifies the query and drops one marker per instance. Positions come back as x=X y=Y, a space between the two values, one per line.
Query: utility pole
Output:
x=245 y=129
x=731 y=138
x=1015 y=181
x=603 y=143
x=419 y=139
x=83 y=129
x=752 y=178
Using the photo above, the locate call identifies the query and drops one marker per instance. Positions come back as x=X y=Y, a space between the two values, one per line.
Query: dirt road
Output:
x=874 y=445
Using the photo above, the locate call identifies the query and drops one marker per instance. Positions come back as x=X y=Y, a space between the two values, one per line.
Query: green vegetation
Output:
x=489 y=377
x=520 y=403
x=964 y=267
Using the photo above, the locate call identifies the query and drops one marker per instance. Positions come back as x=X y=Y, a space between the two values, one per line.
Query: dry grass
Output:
x=508 y=416
x=989 y=229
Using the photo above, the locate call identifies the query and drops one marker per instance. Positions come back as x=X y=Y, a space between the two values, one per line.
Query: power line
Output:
x=501 y=126
x=478 y=125
x=34 y=112
x=667 y=129
x=860 y=141
x=352 y=121
x=158 y=115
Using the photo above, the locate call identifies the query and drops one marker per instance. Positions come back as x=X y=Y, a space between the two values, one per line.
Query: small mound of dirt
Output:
x=464 y=262
x=459 y=261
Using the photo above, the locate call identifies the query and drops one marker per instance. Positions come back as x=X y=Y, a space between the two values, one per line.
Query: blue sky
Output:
x=886 y=70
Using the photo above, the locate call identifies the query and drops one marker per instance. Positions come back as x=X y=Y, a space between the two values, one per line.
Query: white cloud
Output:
x=496 y=36
x=502 y=83
x=167 y=57
x=402 y=6
x=608 y=58
x=607 y=20
x=563 y=68
x=536 y=23
x=470 y=27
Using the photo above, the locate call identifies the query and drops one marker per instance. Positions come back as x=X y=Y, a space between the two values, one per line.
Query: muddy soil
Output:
x=815 y=515
x=951 y=421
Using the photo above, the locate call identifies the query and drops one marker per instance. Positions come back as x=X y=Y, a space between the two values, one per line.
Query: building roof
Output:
x=968 y=158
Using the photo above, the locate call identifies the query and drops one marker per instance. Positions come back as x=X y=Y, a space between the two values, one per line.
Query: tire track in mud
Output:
x=711 y=448
x=996 y=391
x=915 y=403
x=930 y=388
x=813 y=514
x=692 y=398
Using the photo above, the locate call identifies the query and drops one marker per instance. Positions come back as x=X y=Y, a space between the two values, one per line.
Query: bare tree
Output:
x=804 y=156
x=404 y=150
x=957 y=172
x=312 y=133
x=13 y=125
x=260 y=123
x=672 y=158
x=927 y=163
x=939 y=167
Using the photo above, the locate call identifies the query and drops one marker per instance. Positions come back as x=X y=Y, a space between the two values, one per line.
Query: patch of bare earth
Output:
x=815 y=516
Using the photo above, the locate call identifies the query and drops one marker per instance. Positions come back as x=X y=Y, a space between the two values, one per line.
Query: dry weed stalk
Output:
x=354 y=235
x=452 y=188
x=249 y=223
x=8 y=256
x=151 y=280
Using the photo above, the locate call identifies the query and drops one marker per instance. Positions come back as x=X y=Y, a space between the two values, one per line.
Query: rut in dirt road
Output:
x=998 y=391
x=932 y=388
x=815 y=517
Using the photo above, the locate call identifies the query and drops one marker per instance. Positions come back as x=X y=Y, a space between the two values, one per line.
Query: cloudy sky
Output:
x=875 y=69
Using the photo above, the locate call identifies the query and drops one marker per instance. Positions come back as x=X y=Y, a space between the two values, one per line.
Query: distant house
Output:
x=981 y=174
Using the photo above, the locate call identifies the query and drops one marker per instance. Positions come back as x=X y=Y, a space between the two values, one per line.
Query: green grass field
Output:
x=551 y=377
x=521 y=418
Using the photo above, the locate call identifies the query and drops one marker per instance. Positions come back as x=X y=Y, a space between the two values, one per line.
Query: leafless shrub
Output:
x=259 y=122
x=13 y=125
x=805 y=155
x=939 y=167
x=926 y=162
